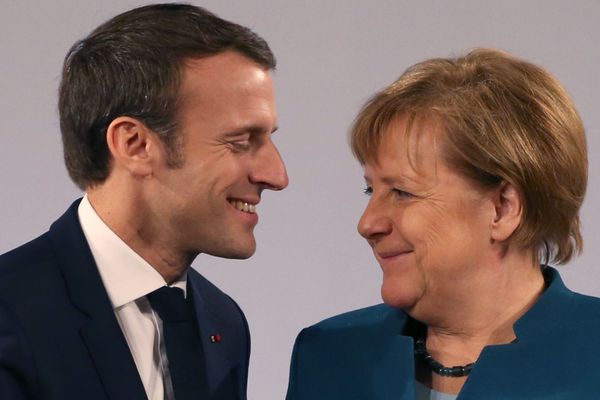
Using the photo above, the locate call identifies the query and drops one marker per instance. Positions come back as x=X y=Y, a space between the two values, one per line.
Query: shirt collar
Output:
x=125 y=274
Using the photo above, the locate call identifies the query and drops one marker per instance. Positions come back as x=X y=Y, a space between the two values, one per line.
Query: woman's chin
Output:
x=402 y=298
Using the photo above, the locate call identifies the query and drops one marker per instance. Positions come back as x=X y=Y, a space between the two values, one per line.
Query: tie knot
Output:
x=170 y=304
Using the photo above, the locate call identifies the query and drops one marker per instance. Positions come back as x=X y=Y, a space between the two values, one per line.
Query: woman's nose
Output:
x=374 y=222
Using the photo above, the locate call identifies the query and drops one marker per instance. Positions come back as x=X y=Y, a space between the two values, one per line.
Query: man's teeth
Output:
x=243 y=206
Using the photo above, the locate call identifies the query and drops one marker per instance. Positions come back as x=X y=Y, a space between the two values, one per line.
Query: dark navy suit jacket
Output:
x=368 y=354
x=60 y=339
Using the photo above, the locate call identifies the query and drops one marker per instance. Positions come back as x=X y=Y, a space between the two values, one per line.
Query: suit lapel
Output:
x=101 y=332
x=219 y=366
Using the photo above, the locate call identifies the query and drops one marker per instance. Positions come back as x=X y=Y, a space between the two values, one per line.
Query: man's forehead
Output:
x=225 y=75
x=228 y=62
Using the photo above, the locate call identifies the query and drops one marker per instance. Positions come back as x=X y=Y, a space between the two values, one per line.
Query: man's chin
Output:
x=243 y=255
x=241 y=251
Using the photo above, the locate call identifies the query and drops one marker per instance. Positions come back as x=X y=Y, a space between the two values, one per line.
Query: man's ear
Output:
x=132 y=146
x=508 y=203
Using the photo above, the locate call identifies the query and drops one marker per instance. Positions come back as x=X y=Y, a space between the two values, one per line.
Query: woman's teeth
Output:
x=243 y=206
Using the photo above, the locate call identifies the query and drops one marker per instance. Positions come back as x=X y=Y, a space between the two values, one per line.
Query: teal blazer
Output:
x=367 y=354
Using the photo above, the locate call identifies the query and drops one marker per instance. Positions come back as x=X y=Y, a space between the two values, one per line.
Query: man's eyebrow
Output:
x=251 y=129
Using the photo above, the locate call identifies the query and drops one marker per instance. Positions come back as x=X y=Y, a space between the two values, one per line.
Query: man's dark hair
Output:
x=132 y=66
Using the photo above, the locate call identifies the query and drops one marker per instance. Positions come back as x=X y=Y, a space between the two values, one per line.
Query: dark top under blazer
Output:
x=60 y=339
x=368 y=354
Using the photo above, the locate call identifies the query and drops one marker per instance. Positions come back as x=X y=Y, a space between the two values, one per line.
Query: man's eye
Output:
x=368 y=190
x=240 y=145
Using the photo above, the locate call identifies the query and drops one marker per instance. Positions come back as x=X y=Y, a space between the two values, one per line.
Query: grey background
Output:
x=332 y=56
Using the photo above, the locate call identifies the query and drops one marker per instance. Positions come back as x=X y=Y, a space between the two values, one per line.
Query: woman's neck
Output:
x=485 y=317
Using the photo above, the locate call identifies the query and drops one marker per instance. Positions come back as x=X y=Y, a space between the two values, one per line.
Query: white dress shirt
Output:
x=128 y=278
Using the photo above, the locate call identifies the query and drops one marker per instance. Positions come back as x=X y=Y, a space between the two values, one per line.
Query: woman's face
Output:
x=429 y=227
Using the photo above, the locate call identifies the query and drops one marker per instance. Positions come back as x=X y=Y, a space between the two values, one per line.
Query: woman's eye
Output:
x=368 y=191
x=402 y=194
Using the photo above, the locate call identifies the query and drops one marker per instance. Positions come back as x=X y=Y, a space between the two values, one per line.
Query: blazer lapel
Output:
x=101 y=332
x=370 y=361
x=393 y=375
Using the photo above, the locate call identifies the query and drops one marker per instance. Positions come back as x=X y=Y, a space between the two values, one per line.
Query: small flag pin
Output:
x=216 y=338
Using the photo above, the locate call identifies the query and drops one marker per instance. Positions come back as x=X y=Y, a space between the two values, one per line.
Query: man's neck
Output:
x=126 y=218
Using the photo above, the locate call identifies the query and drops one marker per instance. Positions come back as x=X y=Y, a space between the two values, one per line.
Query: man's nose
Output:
x=269 y=171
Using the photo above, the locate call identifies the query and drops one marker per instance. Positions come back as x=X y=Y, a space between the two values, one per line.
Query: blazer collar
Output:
x=100 y=332
x=533 y=330
x=556 y=300
x=527 y=367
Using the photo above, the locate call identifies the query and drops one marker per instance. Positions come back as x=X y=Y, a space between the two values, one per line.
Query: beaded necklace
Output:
x=436 y=366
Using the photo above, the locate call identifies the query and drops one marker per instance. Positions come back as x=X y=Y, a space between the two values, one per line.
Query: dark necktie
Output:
x=182 y=342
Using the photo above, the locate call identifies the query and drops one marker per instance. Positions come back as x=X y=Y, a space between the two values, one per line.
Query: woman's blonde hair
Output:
x=503 y=120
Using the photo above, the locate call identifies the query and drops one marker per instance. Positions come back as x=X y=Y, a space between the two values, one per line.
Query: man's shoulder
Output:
x=34 y=268
x=25 y=260
x=32 y=291
x=37 y=253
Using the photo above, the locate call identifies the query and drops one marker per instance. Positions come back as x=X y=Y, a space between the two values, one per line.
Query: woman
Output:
x=476 y=168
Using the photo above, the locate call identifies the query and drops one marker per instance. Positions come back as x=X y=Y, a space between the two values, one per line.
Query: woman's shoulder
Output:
x=377 y=319
x=560 y=302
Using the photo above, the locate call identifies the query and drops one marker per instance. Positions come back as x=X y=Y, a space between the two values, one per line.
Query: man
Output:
x=166 y=116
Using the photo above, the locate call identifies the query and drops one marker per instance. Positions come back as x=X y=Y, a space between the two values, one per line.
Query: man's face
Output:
x=226 y=118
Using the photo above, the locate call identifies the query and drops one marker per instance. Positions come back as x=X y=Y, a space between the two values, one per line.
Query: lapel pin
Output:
x=216 y=338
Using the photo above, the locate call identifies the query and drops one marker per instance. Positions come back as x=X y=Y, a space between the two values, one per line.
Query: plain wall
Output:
x=333 y=55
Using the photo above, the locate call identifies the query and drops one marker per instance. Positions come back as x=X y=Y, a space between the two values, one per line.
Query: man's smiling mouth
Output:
x=243 y=206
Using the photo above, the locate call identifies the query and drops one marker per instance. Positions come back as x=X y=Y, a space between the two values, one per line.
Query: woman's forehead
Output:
x=415 y=143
